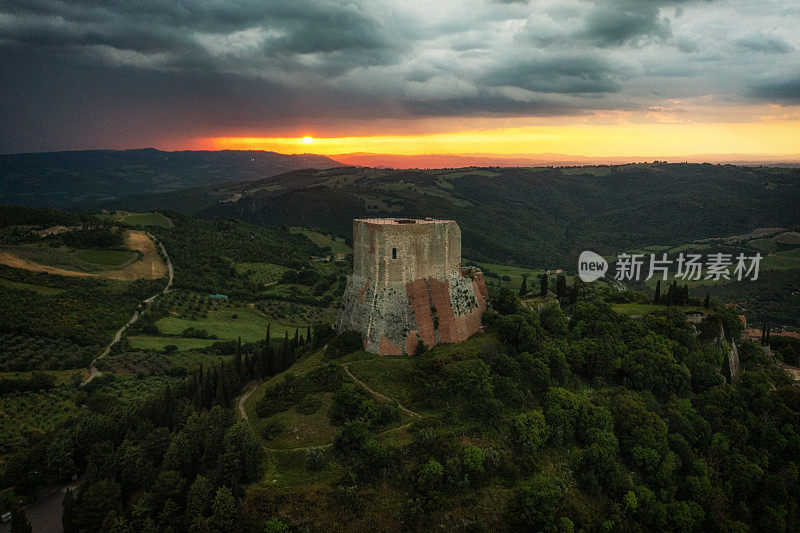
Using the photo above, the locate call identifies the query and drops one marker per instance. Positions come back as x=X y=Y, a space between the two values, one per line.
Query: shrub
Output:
x=345 y=343
x=534 y=508
x=473 y=458
x=275 y=526
x=530 y=431
x=430 y=476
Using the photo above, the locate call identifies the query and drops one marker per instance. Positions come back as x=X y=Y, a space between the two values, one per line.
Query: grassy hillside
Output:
x=63 y=179
x=540 y=217
x=544 y=422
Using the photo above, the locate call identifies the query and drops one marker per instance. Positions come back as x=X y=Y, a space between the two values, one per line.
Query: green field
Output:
x=106 y=257
x=766 y=245
x=62 y=256
x=337 y=244
x=261 y=272
x=250 y=324
x=777 y=262
x=81 y=260
x=141 y=219
x=515 y=273
x=153 y=342
x=794 y=252
x=689 y=246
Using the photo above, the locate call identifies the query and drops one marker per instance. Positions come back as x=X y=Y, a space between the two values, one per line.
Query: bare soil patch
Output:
x=149 y=266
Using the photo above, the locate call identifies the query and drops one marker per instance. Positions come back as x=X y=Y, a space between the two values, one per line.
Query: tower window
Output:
x=394 y=253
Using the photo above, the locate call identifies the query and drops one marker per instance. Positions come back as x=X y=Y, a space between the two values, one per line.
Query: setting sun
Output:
x=307 y=140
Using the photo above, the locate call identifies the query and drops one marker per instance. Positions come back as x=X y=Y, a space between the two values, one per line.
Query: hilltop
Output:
x=67 y=179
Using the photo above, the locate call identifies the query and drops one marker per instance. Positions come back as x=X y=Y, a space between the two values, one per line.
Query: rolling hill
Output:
x=69 y=179
x=539 y=217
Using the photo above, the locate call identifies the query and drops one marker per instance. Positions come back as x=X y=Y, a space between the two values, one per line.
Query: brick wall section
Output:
x=419 y=299
x=440 y=296
x=387 y=348
x=480 y=287
x=412 y=340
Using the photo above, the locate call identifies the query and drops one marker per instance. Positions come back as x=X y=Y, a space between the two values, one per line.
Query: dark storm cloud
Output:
x=622 y=21
x=133 y=72
x=763 y=43
x=180 y=29
x=560 y=73
x=785 y=91
x=487 y=105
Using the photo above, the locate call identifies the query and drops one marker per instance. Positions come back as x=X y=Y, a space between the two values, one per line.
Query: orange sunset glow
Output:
x=622 y=140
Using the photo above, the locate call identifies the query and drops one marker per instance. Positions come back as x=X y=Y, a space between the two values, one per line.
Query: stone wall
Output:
x=407 y=286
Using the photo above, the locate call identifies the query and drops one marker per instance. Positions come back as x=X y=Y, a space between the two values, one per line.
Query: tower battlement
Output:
x=407 y=285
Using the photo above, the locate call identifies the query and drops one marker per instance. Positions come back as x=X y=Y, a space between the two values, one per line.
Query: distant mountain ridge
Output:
x=402 y=161
x=533 y=217
x=76 y=178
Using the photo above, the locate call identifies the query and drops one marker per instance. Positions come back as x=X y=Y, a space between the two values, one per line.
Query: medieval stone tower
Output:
x=407 y=285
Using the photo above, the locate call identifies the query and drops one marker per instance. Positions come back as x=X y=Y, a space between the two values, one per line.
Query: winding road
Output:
x=93 y=371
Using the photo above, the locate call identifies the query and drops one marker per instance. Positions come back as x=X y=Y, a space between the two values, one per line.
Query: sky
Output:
x=607 y=78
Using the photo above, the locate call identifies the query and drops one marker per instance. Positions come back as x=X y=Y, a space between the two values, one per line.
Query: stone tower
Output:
x=408 y=285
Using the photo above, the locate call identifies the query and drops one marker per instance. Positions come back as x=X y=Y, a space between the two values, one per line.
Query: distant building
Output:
x=339 y=257
x=754 y=334
x=319 y=259
x=217 y=296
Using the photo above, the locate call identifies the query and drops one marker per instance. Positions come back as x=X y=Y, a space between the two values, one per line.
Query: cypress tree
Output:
x=707 y=302
x=523 y=288
x=657 y=295
x=237 y=359
x=544 y=286
x=561 y=286
x=168 y=407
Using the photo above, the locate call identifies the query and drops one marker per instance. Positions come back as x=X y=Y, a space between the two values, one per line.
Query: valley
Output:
x=324 y=429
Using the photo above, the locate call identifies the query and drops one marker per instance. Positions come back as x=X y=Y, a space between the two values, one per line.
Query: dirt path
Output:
x=791 y=370
x=252 y=386
x=45 y=513
x=93 y=371
x=149 y=266
x=376 y=394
